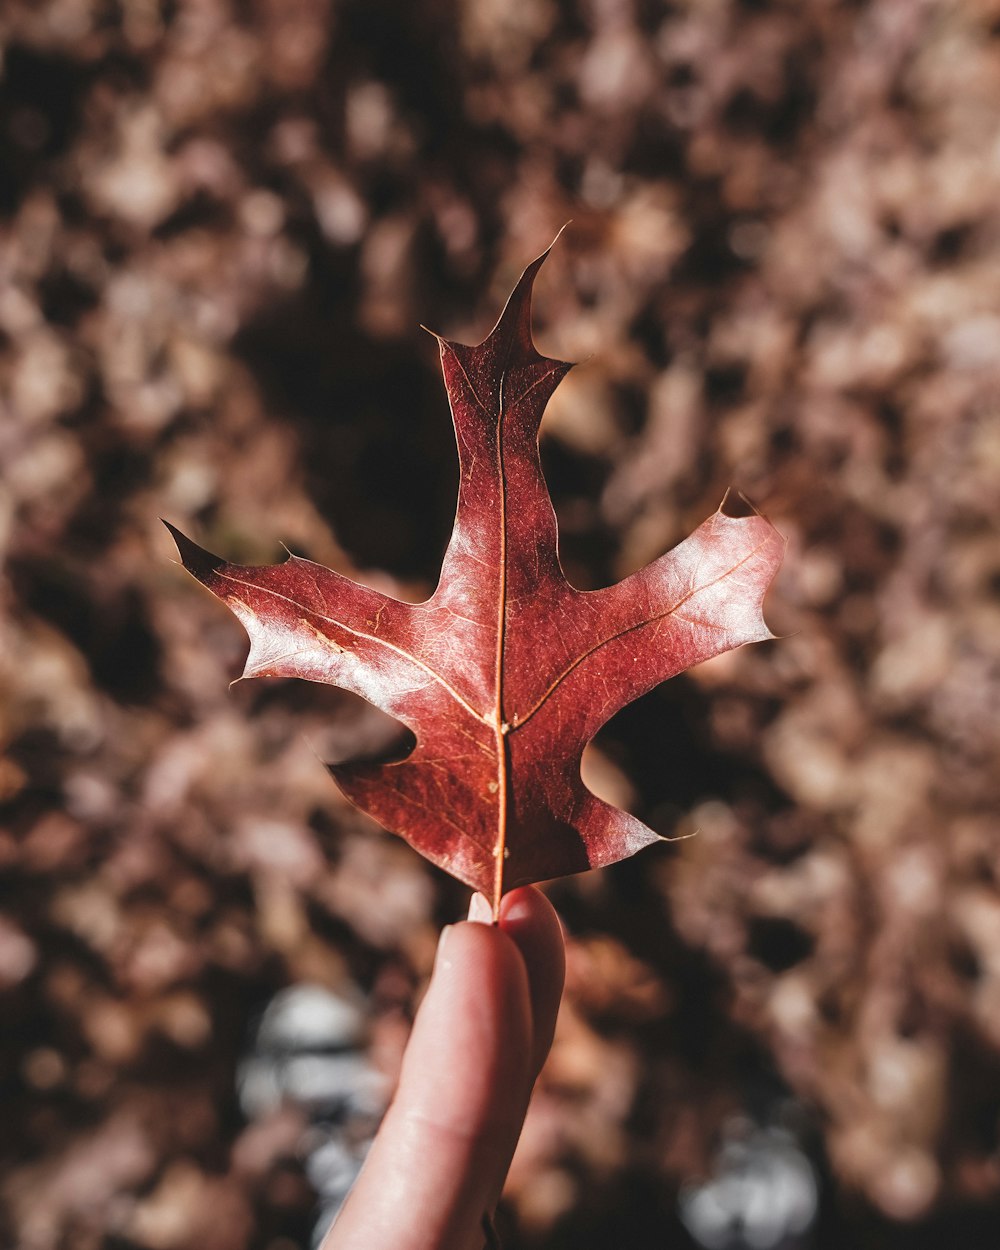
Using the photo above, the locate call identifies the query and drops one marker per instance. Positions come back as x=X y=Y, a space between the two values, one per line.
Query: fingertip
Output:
x=473 y=1028
x=473 y=958
x=530 y=921
x=445 y=1145
x=528 y=903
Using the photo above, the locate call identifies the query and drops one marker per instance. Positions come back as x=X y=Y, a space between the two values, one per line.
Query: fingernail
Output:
x=515 y=908
x=480 y=910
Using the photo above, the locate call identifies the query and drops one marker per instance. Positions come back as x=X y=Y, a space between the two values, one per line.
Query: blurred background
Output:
x=221 y=222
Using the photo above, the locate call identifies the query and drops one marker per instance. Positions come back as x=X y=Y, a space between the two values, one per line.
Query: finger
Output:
x=528 y=917
x=442 y=1153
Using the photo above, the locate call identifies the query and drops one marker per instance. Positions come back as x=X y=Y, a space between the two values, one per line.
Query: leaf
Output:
x=507 y=671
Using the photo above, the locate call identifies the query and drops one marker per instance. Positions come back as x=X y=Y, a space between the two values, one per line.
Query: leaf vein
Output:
x=659 y=616
x=357 y=633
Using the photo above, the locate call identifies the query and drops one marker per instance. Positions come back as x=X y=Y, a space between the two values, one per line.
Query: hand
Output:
x=481 y=1035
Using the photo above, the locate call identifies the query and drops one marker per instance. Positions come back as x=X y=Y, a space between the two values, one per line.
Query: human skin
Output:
x=482 y=1033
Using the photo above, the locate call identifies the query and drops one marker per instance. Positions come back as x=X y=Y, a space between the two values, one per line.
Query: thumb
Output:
x=442 y=1153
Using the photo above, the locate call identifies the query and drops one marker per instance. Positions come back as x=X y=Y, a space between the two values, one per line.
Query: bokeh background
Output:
x=222 y=222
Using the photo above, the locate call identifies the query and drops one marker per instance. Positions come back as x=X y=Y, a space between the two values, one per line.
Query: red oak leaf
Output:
x=506 y=672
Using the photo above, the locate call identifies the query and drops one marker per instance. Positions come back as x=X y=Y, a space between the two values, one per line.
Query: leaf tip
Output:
x=734 y=498
x=558 y=235
x=198 y=562
x=679 y=837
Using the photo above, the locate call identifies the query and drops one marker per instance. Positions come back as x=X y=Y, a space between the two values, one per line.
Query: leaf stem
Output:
x=500 y=726
x=501 y=843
